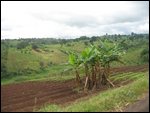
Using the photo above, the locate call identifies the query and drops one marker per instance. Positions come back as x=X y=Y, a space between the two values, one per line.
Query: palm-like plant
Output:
x=90 y=60
x=94 y=58
x=109 y=55
x=86 y=57
x=75 y=62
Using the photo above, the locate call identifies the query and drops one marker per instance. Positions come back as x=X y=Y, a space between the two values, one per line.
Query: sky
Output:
x=72 y=19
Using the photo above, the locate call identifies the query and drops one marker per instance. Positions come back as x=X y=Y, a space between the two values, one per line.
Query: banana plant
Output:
x=93 y=59
x=75 y=62
x=86 y=56
x=109 y=54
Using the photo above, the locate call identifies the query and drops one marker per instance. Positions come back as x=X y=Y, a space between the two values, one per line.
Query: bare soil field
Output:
x=28 y=96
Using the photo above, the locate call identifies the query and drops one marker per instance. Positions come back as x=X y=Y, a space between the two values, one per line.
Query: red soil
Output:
x=30 y=95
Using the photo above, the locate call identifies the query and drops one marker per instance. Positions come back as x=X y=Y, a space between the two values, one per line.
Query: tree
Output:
x=22 y=45
x=94 y=38
x=86 y=43
x=145 y=55
x=34 y=46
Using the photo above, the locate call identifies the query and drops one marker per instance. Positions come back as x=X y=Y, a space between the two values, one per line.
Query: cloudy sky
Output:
x=72 y=19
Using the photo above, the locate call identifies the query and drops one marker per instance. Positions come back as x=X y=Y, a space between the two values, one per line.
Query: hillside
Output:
x=37 y=59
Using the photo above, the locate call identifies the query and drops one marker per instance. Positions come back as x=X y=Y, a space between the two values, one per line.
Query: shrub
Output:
x=41 y=63
x=68 y=44
x=145 y=55
x=22 y=45
x=50 y=63
x=34 y=46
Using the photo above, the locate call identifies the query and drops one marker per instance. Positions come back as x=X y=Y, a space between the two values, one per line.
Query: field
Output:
x=30 y=96
x=36 y=75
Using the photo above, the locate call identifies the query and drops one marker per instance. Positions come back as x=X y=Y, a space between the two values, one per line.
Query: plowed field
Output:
x=30 y=95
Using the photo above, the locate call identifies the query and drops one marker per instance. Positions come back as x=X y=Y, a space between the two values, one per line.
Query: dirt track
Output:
x=30 y=95
x=141 y=105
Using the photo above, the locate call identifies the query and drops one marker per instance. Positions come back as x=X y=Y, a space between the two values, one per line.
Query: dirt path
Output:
x=30 y=95
x=141 y=105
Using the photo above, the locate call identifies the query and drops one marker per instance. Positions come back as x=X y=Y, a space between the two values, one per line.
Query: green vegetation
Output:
x=32 y=58
x=46 y=59
x=4 y=54
x=145 y=55
x=126 y=77
x=108 y=100
x=95 y=58
x=22 y=45
x=55 y=73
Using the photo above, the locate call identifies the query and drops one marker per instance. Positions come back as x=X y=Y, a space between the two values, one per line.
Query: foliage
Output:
x=22 y=45
x=42 y=66
x=95 y=58
x=34 y=46
x=145 y=55
x=15 y=62
x=4 y=56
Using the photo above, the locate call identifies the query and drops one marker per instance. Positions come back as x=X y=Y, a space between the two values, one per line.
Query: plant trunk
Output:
x=104 y=80
x=78 y=80
x=110 y=83
x=94 y=77
x=99 y=75
x=88 y=82
x=105 y=76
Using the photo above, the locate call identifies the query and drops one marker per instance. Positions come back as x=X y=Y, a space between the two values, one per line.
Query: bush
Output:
x=145 y=55
x=41 y=63
x=22 y=45
x=68 y=44
x=34 y=46
x=50 y=63
x=86 y=43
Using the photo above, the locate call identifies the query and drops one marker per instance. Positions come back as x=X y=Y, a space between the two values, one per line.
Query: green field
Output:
x=50 y=59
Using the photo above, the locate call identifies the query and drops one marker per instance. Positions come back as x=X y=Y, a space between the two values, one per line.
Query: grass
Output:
x=19 y=61
x=126 y=76
x=45 y=76
x=52 y=73
x=108 y=100
x=31 y=60
x=23 y=62
x=131 y=58
x=28 y=59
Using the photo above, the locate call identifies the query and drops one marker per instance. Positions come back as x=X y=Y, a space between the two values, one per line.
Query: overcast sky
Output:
x=29 y=19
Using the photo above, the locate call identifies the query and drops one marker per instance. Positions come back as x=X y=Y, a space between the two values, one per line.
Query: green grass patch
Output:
x=52 y=73
x=127 y=76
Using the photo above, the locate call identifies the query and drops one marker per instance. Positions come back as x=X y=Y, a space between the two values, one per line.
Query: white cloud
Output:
x=72 y=19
